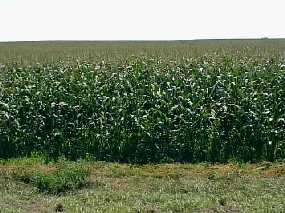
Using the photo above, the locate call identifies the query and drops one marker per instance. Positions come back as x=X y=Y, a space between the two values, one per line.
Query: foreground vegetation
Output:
x=142 y=103
x=217 y=107
x=116 y=188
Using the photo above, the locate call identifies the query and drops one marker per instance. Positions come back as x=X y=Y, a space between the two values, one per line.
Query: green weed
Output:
x=55 y=182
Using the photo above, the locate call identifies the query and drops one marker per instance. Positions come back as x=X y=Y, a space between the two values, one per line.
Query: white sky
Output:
x=140 y=19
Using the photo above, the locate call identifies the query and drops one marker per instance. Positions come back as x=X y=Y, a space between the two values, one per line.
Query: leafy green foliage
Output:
x=55 y=182
x=146 y=109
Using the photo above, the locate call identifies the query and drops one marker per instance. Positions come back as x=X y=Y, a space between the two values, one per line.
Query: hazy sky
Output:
x=140 y=19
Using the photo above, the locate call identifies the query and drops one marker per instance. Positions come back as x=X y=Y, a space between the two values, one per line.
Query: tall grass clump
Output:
x=63 y=179
x=145 y=109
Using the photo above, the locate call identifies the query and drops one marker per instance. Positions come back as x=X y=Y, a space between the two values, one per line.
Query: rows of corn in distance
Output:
x=29 y=53
x=145 y=109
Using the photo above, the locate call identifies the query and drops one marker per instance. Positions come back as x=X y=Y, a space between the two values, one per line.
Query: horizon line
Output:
x=143 y=40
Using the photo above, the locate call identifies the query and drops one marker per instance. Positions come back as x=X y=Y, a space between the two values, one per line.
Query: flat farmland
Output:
x=142 y=126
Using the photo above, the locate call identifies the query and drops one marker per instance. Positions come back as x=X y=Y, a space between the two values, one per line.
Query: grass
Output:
x=55 y=181
x=117 y=187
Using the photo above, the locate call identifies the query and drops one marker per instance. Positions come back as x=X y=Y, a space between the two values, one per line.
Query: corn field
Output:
x=150 y=104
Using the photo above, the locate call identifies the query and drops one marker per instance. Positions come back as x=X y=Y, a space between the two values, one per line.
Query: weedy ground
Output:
x=117 y=187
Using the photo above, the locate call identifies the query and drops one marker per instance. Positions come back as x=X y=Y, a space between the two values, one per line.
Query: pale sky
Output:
x=140 y=19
